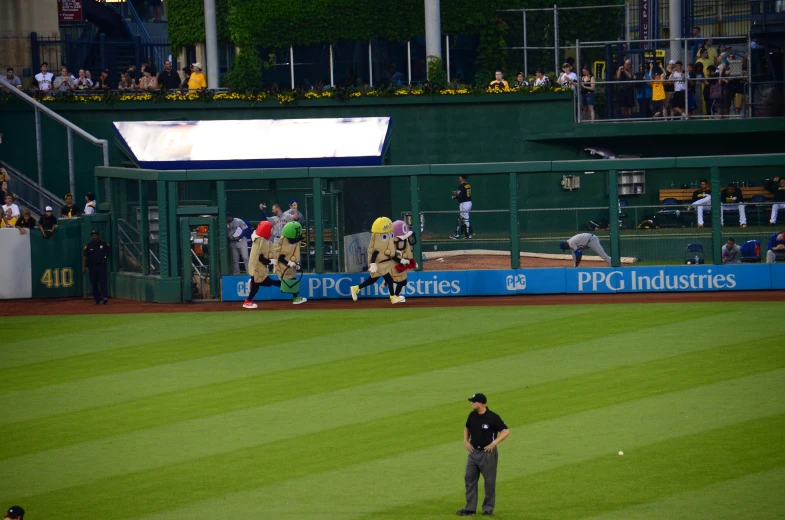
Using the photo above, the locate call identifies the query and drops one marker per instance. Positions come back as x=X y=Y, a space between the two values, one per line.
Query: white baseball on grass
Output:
x=621 y=453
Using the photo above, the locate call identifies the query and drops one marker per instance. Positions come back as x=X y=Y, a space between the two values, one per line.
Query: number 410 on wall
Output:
x=58 y=277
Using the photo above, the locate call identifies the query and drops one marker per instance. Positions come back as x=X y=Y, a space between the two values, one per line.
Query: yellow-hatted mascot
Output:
x=382 y=257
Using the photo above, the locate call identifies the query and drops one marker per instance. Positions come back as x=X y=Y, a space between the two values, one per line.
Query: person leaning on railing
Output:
x=197 y=79
x=148 y=81
x=126 y=83
x=26 y=222
x=102 y=83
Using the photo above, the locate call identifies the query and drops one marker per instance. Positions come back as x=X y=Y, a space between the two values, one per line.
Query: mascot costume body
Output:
x=381 y=257
x=261 y=257
x=287 y=256
x=404 y=239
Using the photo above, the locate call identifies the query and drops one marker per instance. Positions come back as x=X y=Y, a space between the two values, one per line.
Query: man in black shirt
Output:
x=94 y=260
x=483 y=432
x=464 y=197
x=26 y=222
x=732 y=200
x=702 y=199
x=102 y=83
x=48 y=223
x=70 y=210
x=169 y=79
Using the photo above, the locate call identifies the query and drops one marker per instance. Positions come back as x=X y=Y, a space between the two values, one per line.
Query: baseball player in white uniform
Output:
x=584 y=241
x=238 y=243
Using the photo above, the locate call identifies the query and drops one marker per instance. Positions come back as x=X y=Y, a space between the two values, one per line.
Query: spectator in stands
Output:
x=126 y=84
x=197 y=79
x=587 y=93
x=9 y=204
x=65 y=81
x=168 y=78
x=679 y=100
x=695 y=45
x=102 y=83
x=711 y=52
x=4 y=177
x=776 y=186
x=702 y=199
x=70 y=210
x=12 y=78
x=722 y=63
x=520 y=81
x=499 y=81
x=396 y=76
x=712 y=92
x=48 y=223
x=9 y=220
x=541 y=79
x=689 y=77
x=643 y=91
x=657 y=92
x=731 y=253
x=699 y=84
x=26 y=222
x=5 y=190
x=669 y=88
x=567 y=78
x=704 y=60
x=186 y=77
x=625 y=91
x=82 y=83
x=155 y=5
x=776 y=249
x=133 y=72
x=148 y=81
x=90 y=205
x=43 y=80
x=732 y=200
x=15 y=513
x=238 y=241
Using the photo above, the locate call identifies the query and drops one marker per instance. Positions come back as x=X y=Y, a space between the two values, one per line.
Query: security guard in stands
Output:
x=94 y=258
x=484 y=431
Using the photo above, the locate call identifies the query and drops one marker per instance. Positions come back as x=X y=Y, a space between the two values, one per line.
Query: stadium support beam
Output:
x=223 y=249
x=716 y=215
x=613 y=216
x=675 y=21
x=414 y=193
x=318 y=225
x=433 y=29
x=515 y=246
x=211 y=43
x=163 y=229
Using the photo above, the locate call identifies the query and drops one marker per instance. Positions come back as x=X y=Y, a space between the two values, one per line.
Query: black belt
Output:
x=481 y=447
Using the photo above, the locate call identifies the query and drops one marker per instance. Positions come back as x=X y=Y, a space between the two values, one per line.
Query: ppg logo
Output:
x=243 y=288
x=516 y=282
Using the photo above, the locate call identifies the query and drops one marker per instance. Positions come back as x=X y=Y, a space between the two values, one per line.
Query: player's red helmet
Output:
x=264 y=230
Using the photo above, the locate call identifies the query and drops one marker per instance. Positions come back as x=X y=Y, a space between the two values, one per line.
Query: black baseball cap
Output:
x=478 y=398
x=15 y=512
x=93 y=232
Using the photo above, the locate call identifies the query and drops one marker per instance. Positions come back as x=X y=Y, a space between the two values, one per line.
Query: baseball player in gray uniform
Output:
x=583 y=241
x=238 y=243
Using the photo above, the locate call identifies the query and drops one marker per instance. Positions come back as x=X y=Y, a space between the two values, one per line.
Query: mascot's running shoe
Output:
x=249 y=305
x=355 y=290
x=299 y=300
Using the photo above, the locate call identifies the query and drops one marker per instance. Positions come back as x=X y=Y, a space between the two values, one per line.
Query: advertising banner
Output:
x=745 y=277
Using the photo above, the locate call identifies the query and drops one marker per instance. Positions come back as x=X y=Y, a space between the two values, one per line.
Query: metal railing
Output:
x=129 y=14
x=71 y=129
x=33 y=196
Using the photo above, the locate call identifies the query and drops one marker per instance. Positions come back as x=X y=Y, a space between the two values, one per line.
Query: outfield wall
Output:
x=745 y=277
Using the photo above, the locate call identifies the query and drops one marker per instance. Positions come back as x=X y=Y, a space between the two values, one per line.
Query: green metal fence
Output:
x=534 y=206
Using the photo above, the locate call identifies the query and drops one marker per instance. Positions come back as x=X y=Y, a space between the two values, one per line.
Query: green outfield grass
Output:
x=359 y=414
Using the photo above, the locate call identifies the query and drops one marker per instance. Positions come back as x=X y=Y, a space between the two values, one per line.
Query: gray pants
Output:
x=480 y=462
x=239 y=251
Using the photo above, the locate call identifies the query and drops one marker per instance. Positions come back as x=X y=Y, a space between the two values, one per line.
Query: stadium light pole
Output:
x=675 y=7
x=211 y=43
x=433 y=29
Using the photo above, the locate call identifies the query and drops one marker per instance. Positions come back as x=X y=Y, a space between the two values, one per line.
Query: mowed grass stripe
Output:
x=83 y=335
x=642 y=478
x=526 y=405
x=754 y=496
x=136 y=384
x=212 y=399
x=151 y=352
x=379 y=488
